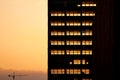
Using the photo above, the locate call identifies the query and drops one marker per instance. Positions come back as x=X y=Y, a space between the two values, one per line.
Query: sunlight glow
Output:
x=23 y=35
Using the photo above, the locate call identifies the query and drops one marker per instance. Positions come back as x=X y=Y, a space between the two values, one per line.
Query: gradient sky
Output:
x=23 y=35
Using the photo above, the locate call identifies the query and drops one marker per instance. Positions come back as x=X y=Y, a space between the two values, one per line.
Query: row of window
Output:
x=72 y=13
x=73 y=71
x=71 y=52
x=70 y=71
x=57 y=24
x=57 y=71
x=88 y=14
x=84 y=23
x=87 y=33
x=78 y=62
x=71 y=42
x=57 y=42
x=57 y=13
x=73 y=24
x=88 y=4
x=57 y=52
x=57 y=33
x=72 y=33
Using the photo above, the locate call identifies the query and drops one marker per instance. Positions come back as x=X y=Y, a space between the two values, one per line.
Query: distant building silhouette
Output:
x=14 y=75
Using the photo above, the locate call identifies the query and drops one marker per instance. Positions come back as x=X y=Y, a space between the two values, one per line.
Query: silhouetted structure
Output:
x=80 y=40
x=14 y=75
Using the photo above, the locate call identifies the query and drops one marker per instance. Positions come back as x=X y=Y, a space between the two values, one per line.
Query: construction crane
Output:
x=14 y=75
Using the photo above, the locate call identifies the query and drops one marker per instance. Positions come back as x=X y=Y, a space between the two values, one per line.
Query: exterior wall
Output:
x=74 y=28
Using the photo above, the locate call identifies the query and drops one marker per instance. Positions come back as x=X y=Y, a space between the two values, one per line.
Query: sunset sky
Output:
x=23 y=35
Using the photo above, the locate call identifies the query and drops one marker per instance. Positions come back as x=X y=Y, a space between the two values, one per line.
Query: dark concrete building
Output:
x=80 y=40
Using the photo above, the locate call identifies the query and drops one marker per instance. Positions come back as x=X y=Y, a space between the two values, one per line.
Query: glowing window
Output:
x=87 y=33
x=57 y=33
x=73 y=24
x=73 y=42
x=53 y=71
x=73 y=33
x=88 y=13
x=76 y=52
x=70 y=62
x=87 y=62
x=76 y=61
x=57 y=13
x=57 y=52
x=78 y=5
x=73 y=52
x=57 y=42
x=73 y=13
x=83 y=61
x=87 y=23
x=55 y=23
x=57 y=71
x=73 y=71
x=87 y=42
x=88 y=4
x=86 y=52
x=86 y=71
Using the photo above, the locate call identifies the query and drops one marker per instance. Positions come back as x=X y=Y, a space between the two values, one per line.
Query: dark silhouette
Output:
x=14 y=75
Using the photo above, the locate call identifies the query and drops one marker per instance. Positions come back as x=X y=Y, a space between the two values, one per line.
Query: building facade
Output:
x=70 y=39
x=82 y=39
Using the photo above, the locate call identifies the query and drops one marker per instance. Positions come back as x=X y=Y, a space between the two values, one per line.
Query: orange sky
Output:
x=23 y=34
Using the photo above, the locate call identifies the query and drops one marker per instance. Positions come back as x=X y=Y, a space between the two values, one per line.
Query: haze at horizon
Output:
x=23 y=35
